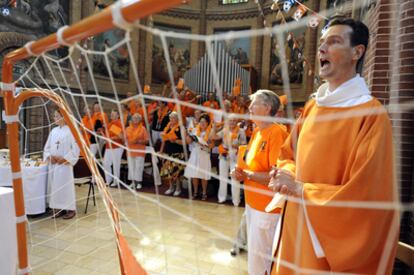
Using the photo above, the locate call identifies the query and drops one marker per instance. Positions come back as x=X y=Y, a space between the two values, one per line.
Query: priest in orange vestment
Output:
x=339 y=161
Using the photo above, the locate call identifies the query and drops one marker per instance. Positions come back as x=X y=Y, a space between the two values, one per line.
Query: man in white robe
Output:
x=62 y=153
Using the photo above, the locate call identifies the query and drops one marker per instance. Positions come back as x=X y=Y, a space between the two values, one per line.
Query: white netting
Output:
x=166 y=236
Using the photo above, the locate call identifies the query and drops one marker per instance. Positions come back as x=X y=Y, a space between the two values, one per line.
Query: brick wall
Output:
x=390 y=74
x=402 y=91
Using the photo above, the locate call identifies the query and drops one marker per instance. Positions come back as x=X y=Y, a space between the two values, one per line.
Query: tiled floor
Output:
x=174 y=236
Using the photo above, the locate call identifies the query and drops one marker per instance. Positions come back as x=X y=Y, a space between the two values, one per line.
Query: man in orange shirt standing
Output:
x=342 y=153
x=261 y=155
x=137 y=139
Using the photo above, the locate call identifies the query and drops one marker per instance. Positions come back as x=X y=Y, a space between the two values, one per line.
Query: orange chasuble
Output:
x=134 y=134
x=263 y=151
x=339 y=160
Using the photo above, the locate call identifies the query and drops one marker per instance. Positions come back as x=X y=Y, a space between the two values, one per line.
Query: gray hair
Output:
x=268 y=98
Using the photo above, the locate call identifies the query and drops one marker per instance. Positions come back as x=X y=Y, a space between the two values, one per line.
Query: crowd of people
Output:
x=188 y=138
x=334 y=153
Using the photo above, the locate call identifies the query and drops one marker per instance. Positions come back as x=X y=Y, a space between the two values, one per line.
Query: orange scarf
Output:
x=169 y=132
x=207 y=134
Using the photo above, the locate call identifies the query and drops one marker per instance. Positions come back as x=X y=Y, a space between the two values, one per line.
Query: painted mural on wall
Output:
x=35 y=18
x=179 y=52
x=118 y=57
x=238 y=49
x=294 y=47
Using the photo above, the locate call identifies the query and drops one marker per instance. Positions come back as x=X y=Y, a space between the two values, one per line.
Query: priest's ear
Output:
x=358 y=53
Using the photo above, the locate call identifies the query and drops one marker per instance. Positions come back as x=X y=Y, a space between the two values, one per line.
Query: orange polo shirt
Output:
x=263 y=152
x=134 y=134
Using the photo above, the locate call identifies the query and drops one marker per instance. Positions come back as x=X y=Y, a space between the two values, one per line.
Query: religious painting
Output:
x=238 y=48
x=293 y=45
x=179 y=52
x=35 y=19
x=117 y=58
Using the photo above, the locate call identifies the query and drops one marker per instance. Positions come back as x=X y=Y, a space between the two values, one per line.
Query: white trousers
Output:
x=155 y=135
x=226 y=165
x=241 y=238
x=135 y=168
x=261 y=228
x=94 y=149
x=112 y=158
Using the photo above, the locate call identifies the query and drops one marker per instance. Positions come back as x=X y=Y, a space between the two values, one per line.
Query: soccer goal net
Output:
x=131 y=230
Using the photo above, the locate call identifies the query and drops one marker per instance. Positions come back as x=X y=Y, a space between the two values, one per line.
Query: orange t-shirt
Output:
x=263 y=152
x=134 y=134
x=113 y=136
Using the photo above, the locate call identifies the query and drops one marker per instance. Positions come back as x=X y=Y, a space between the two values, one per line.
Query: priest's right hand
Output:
x=284 y=182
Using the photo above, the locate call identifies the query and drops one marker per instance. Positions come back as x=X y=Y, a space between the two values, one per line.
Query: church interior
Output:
x=202 y=61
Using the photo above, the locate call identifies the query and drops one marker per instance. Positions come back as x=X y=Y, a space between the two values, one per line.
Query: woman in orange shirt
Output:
x=261 y=155
x=199 y=163
x=113 y=151
x=137 y=139
x=172 y=145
